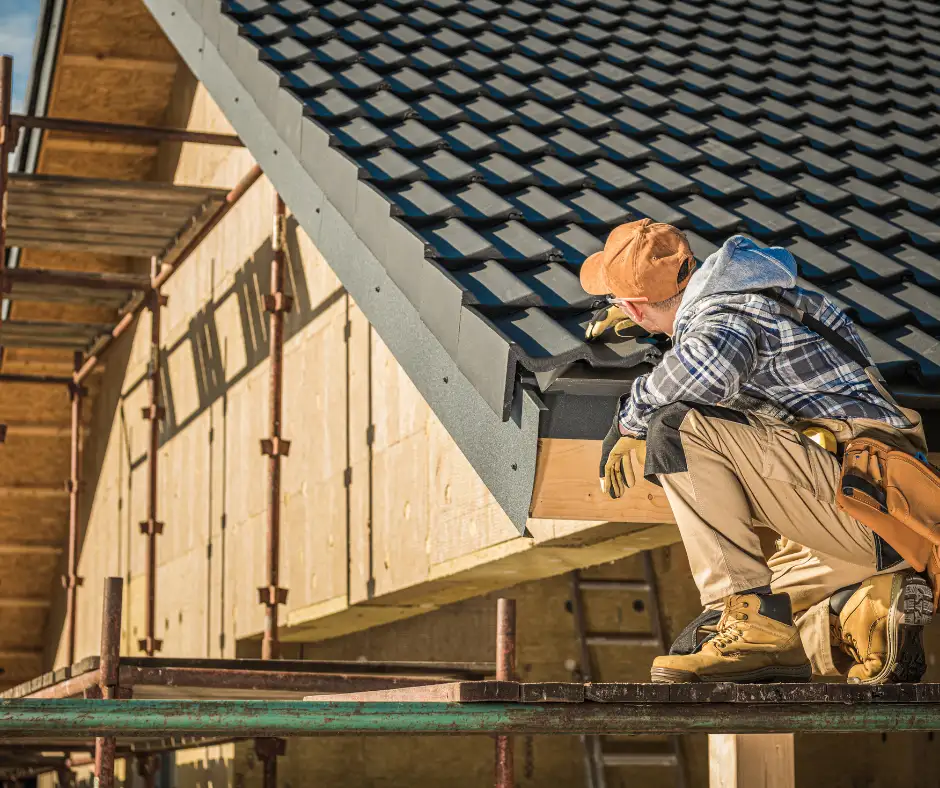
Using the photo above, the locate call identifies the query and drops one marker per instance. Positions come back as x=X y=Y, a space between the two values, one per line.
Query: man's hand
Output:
x=616 y=469
x=605 y=318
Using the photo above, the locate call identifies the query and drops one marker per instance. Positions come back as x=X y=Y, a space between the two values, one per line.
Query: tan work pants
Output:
x=724 y=473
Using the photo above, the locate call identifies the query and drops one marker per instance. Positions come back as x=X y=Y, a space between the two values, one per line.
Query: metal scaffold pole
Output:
x=505 y=671
x=108 y=675
x=154 y=413
x=266 y=718
x=147 y=769
x=275 y=447
x=71 y=581
x=6 y=142
x=277 y=303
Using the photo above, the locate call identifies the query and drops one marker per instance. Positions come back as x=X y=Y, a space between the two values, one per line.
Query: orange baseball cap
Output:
x=642 y=261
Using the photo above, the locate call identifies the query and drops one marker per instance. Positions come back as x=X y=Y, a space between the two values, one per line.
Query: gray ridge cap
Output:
x=502 y=452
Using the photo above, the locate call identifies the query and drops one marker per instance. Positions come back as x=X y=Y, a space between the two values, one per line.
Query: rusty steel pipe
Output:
x=152 y=527
x=49 y=380
x=140 y=133
x=505 y=671
x=268 y=751
x=6 y=141
x=65 y=778
x=71 y=580
x=277 y=303
x=169 y=268
x=147 y=769
x=108 y=672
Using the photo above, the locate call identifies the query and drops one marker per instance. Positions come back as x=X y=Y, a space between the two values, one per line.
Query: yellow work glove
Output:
x=605 y=318
x=616 y=470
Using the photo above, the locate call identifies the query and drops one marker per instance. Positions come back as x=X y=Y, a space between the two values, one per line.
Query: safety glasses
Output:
x=621 y=302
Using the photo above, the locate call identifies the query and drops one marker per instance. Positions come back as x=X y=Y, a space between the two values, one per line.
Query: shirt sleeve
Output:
x=708 y=366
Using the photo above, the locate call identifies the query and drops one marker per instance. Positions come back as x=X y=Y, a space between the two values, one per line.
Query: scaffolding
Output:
x=135 y=680
x=165 y=223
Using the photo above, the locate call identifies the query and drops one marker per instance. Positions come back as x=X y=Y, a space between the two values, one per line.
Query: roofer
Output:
x=742 y=423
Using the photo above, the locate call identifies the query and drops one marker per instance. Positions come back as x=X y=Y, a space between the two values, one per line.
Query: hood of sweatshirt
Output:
x=738 y=268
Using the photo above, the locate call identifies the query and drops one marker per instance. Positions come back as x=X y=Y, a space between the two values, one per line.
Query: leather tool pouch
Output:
x=897 y=495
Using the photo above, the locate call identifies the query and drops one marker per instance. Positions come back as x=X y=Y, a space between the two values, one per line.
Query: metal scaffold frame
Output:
x=113 y=681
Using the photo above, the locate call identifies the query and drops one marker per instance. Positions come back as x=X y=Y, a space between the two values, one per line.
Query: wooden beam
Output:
x=38 y=429
x=21 y=653
x=106 y=147
x=149 y=134
x=32 y=491
x=30 y=549
x=452 y=692
x=760 y=760
x=23 y=601
x=567 y=488
x=150 y=66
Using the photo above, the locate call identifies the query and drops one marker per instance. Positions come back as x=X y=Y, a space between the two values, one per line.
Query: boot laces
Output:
x=729 y=626
x=844 y=641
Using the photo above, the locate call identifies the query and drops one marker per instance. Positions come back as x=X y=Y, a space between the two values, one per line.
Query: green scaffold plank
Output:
x=38 y=718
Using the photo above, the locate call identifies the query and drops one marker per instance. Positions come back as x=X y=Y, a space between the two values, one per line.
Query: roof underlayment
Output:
x=456 y=160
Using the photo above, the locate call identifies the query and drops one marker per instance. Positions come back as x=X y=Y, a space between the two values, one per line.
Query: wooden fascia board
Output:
x=567 y=488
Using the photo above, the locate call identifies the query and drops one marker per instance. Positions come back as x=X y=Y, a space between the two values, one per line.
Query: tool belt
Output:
x=894 y=493
x=887 y=483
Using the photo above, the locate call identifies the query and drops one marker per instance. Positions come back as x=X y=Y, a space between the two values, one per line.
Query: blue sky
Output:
x=17 y=29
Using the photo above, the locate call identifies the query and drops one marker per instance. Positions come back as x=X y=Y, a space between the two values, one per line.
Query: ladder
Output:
x=596 y=759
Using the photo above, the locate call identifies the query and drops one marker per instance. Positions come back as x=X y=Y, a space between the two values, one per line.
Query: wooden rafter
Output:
x=148 y=65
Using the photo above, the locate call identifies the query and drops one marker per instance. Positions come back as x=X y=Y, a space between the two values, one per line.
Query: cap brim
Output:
x=592 y=275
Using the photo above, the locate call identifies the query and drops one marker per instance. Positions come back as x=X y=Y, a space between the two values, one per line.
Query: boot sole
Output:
x=910 y=611
x=766 y=675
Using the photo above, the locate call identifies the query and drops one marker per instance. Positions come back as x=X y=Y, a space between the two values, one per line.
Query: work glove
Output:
x=605 y=318
x=616 y=469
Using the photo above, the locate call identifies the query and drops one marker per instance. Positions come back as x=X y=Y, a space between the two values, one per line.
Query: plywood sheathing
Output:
x=114 y=64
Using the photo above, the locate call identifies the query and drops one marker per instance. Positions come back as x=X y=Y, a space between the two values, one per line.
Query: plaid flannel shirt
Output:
x=740 y=352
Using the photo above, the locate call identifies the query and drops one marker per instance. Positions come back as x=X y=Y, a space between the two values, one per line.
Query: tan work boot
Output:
x=756 y=642
x=881 y=627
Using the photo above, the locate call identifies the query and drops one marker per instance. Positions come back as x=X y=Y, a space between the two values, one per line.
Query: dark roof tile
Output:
x=512 y=136
x=872 y=309
x=818 y=225
x=596 y=211
x=478 y=203
x=871 y=266
x=922 y=231
x=870 y=196
x=706 y=217
x=763 y=221
x=923 y=305
x=718 y=186
x=820 y=192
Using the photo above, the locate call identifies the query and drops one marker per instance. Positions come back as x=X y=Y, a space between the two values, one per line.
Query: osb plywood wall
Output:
x=414 y=528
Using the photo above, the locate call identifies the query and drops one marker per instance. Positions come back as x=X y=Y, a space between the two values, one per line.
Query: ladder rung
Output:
x=622 y=639
x=614 y=585
x=640 y=759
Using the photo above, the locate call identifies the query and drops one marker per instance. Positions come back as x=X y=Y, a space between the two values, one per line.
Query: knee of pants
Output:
x=665 y=453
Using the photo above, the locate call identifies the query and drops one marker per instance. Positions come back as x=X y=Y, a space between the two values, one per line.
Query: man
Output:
x=723 y=424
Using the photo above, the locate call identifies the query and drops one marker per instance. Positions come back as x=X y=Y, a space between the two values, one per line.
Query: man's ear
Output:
x=633 y=311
